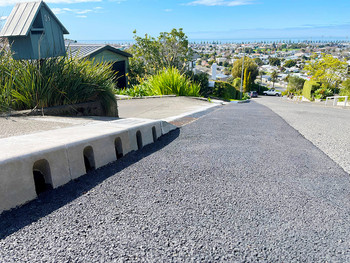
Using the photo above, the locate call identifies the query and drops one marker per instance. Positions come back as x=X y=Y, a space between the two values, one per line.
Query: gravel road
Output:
x=326 y=127
x=237 y=185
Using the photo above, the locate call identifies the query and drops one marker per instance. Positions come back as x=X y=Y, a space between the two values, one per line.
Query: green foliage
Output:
x=137 y=71
x=225 y=90
x=322 y=93
x=247 y=83
x=168 y=50
x=237 y=83
x=309 y=88
x=274 y=76
x=249 y=50
x=249 y=64
x=290 y=63
x=258 y=61
x=295 y=84
x=171 y=81
x=202 y=79
x=245 y=96
x=139 y=90
x=259 y=88
x=345 y=90
x=57 y=81
x=327 y=69
x=284 y=93
x=274 y=61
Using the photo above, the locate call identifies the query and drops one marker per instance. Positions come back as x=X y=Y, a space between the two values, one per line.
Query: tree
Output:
x=249 y=50
x=290 y=63
x=274 y=61
x=274 y=76
x=258 y=61
x=249 y=66
x=248 y=83
x=245 y=81
x=295 y=84
x=137 y=71
x=327 y=70
x=211 y=62
x=166 y=51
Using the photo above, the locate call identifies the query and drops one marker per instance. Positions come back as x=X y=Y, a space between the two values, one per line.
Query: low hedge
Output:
x=225 y=90
x=309 y=88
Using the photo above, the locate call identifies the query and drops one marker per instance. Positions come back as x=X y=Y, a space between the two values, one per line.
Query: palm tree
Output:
x=274 y=76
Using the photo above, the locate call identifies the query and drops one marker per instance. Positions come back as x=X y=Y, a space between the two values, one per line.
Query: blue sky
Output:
x=200 y=19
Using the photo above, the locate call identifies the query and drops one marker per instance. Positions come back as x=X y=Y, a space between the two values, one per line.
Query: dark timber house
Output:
x=104 y=53
x=34 y=32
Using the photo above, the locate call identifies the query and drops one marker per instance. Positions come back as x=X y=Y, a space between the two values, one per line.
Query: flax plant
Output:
x=171 y=81
x=28 y=84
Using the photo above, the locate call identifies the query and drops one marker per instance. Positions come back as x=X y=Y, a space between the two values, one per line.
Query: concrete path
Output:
x=166 y=108
x=161 y=108
x=237 y=185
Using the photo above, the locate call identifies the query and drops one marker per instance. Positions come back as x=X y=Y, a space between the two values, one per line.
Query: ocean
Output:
x=238 y=40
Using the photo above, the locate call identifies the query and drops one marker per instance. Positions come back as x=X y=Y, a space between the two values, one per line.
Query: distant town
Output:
x=288 y=59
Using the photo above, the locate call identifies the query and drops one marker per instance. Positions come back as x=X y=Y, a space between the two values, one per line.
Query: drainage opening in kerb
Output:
x=118 y=148
x=139 y=140
x=89 y=159
x=42 y=176
x=154 y=133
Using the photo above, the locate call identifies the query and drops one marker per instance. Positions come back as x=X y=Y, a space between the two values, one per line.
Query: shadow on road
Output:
x=15 y=219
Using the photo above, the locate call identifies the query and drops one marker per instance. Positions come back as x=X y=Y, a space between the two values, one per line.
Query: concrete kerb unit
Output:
x=30 y=164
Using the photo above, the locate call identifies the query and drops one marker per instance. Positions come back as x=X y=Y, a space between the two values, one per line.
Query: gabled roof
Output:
x=22 y=18
x=89 y=50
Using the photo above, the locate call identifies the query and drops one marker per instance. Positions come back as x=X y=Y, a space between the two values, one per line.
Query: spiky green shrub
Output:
x=139 y=90
x=27 y=84
x=202 y=79
x=323 y=93
x=171 y=81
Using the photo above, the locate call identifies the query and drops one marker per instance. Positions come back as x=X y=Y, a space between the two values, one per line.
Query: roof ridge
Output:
x=21 y=15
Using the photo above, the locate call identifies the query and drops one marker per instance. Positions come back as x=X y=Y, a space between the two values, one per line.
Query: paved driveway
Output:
x=237 y=185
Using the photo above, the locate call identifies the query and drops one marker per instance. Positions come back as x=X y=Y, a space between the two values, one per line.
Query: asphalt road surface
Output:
x=237 y=185
x=326 y=127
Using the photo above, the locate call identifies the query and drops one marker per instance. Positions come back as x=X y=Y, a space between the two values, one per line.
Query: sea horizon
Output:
x=233 y=40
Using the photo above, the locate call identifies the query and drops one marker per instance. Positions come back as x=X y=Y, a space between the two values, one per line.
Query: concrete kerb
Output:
x=68 y=153
x=190 y=113
x=240 y=101
x=126 y=97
